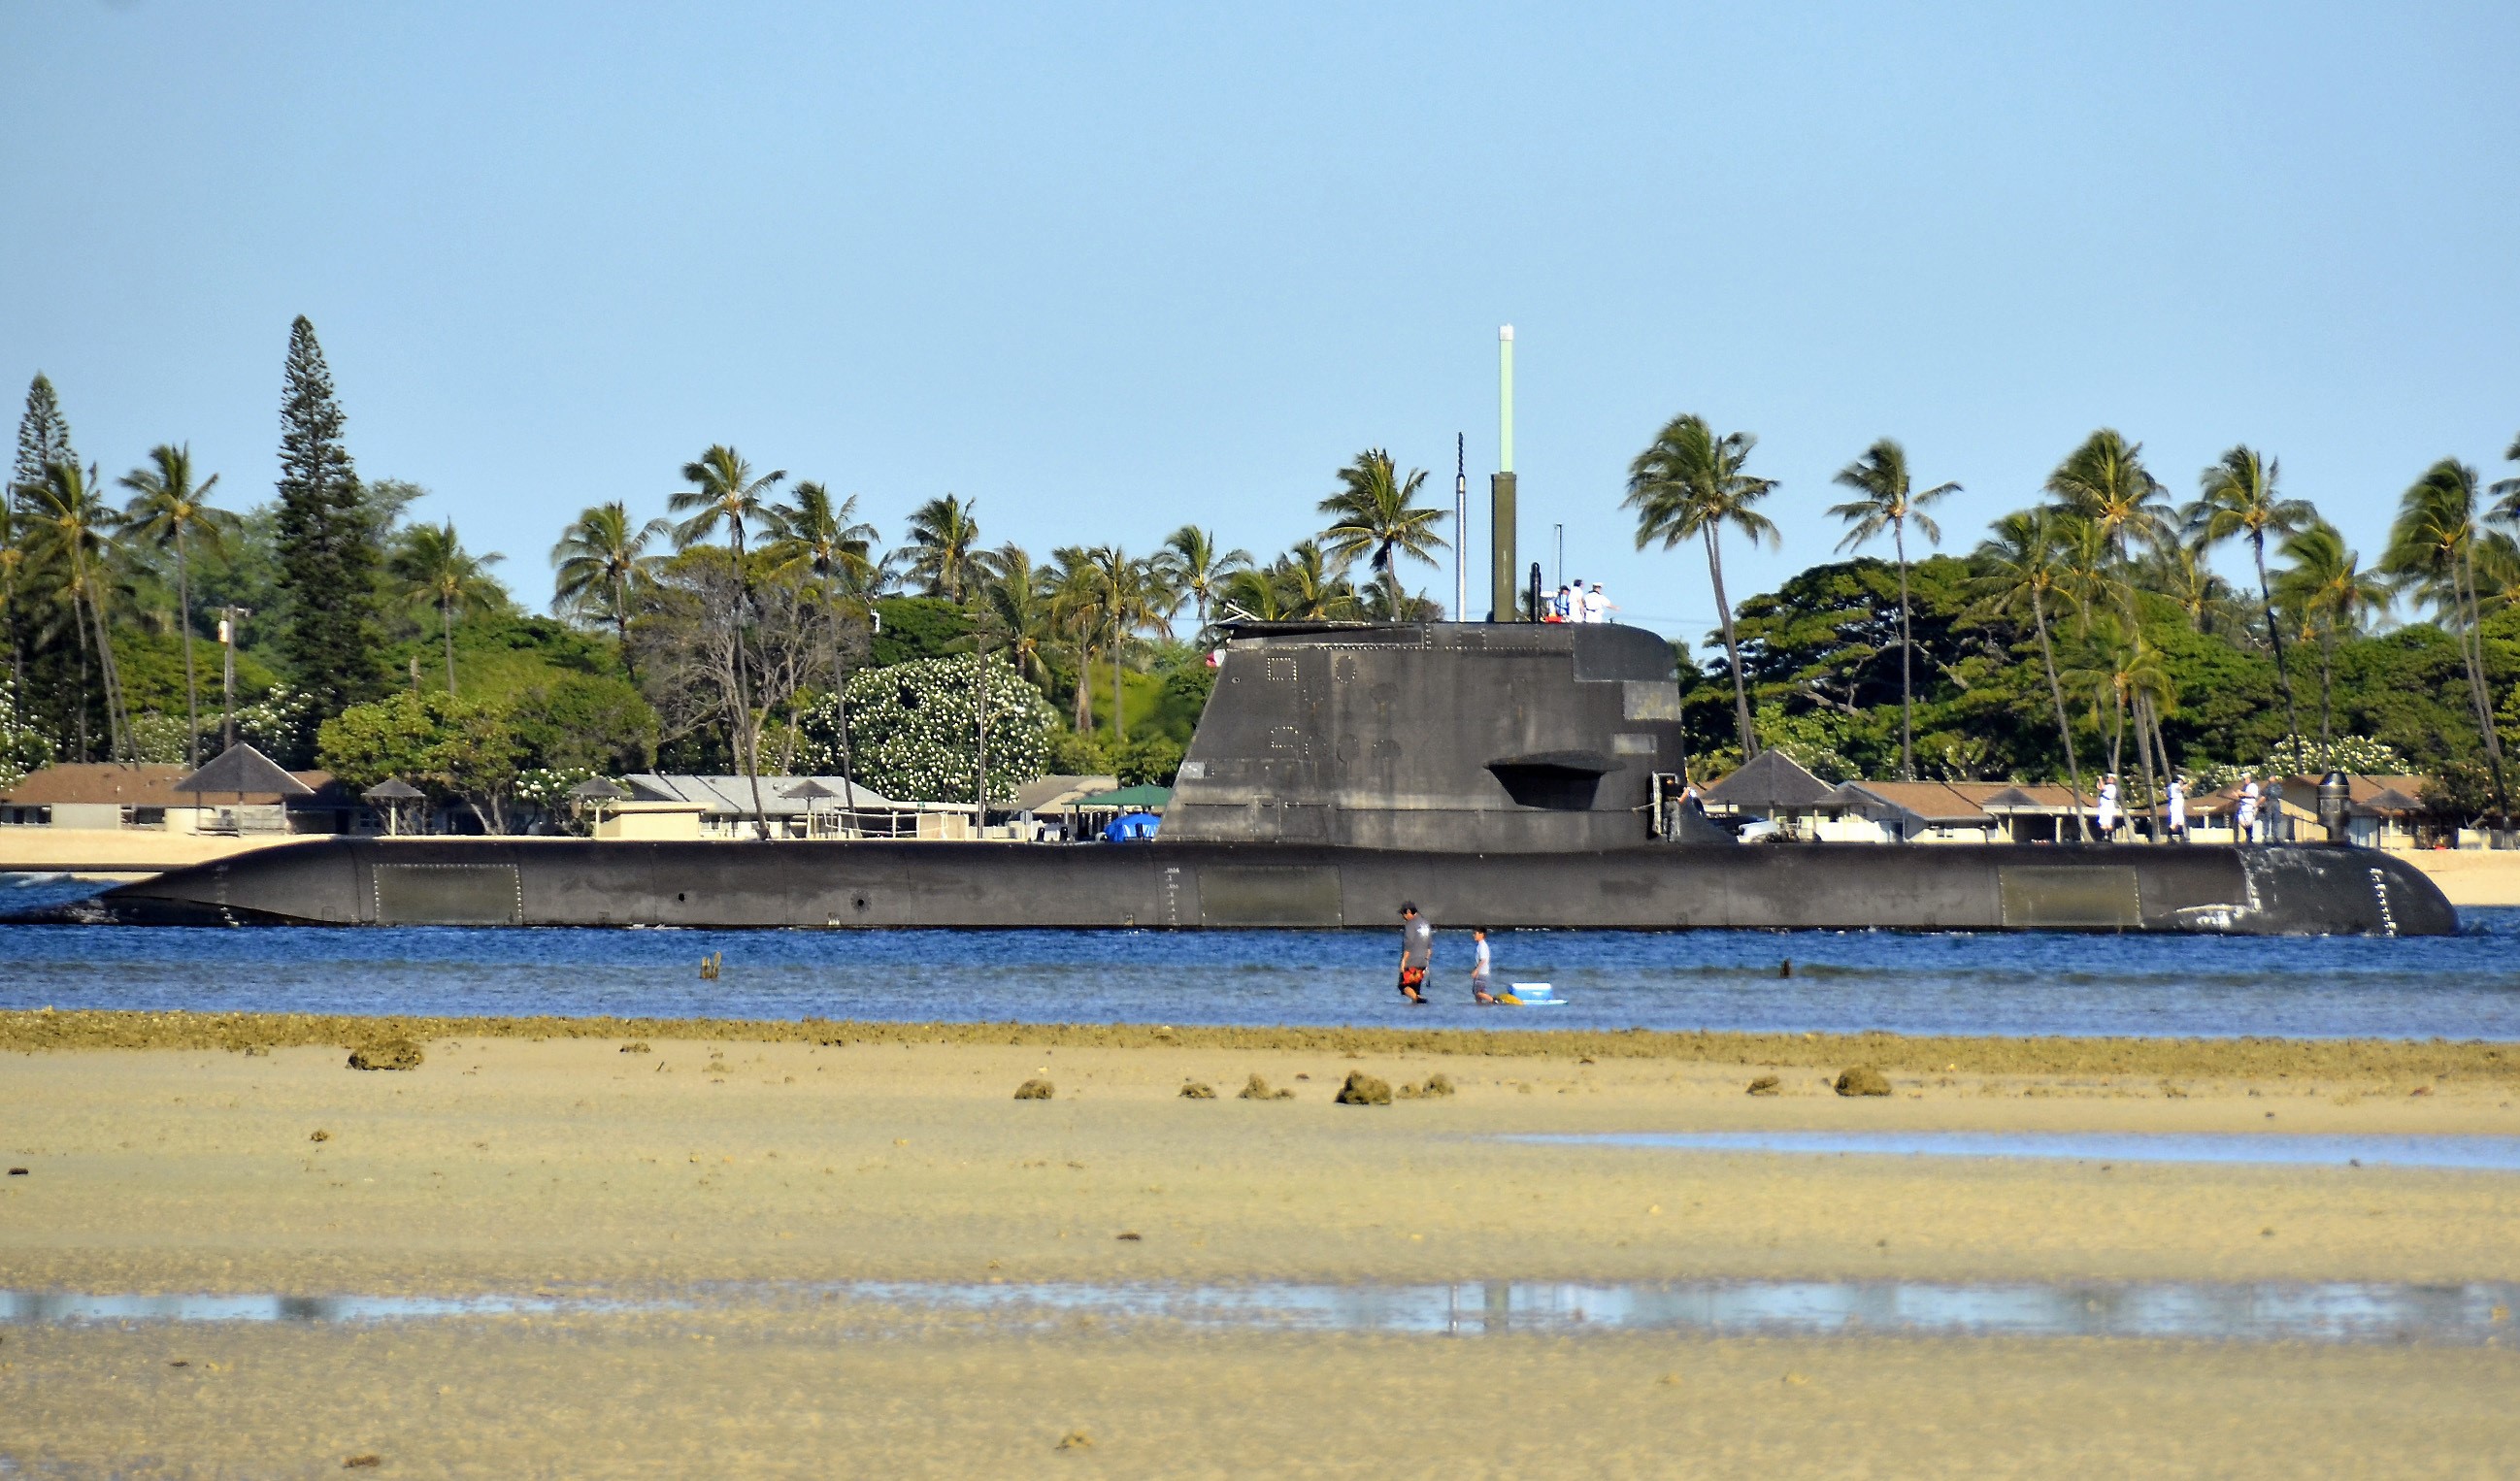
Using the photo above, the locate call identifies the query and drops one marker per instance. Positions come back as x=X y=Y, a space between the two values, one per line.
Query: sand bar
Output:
x=537 y=1153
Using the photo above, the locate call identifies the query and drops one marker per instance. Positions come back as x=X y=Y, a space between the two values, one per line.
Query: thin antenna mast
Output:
x=1461 y=527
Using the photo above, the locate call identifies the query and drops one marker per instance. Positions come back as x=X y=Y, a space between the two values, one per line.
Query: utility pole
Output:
x=981 y=635
x=229 y=618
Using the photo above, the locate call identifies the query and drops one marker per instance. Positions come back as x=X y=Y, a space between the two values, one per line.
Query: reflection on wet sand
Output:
x=2482 y=1154
x=2475 y=1313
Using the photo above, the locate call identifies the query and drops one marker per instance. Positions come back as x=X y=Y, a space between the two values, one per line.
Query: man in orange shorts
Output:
x=1416 y=953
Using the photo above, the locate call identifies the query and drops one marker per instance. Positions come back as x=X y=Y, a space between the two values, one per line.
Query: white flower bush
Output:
x=161 y=740
x=2355 y=756
x=914 y=730
x=23 y=748
x=547 y=787
x=273 y=722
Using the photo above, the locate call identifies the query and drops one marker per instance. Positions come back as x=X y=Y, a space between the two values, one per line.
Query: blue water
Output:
x=2479 y=1154
x=2455 y=1315
x=2457 y=987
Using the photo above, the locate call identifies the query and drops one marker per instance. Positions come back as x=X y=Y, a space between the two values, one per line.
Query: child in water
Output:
x=1479 y=967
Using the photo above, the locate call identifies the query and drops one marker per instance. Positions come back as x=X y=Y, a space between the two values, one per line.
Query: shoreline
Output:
x=2362 y=1059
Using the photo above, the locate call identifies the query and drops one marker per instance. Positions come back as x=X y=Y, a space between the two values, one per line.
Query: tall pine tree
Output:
x=46 y=658
x=43 y=436
x=329 y=630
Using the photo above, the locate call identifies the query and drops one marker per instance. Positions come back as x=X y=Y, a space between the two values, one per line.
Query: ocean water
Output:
x=2455 y=987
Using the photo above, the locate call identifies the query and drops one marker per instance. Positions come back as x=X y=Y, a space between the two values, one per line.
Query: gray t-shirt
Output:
x=1416 y=943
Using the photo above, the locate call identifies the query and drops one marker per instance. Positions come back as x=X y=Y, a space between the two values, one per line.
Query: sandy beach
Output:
x=524 y=1157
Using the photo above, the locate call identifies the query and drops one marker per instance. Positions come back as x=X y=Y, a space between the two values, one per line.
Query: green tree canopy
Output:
x=456 y=749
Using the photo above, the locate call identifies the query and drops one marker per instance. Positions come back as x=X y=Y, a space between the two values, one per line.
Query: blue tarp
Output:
x=1131 y=825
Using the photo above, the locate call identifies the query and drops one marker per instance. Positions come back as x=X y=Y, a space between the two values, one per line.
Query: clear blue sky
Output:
x=1107 y=269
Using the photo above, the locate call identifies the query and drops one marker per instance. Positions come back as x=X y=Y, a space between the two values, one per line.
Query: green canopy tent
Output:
x=1142 y=798
x=1105 y=806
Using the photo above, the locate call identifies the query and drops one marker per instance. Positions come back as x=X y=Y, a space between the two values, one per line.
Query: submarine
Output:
x=1497 y=774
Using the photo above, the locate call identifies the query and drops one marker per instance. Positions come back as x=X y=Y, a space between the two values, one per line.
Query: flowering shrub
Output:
x=914 y=730
x=23 y=748
x=273 y=722
x=545 y=788
x=161 y=738
x=2356 y=755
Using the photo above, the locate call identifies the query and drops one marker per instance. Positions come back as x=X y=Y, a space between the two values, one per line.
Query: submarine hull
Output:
x=2268 y=891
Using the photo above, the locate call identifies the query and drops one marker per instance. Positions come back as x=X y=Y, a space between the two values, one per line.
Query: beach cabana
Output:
x=242 y=772
x=1772 y=786
x=388 y=797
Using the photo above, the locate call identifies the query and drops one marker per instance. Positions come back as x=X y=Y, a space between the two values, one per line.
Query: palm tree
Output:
x=827 y=542
x=2236 y=496
x=944 y=542
x=1889 y=502
x=2506 y=492
x=1689 y=481
x=2104 y=485
x=597 y=558
x=2104 y=482
x=723 y=491
x=167 y=510
x=1193 y=566
x=71 y=527
x=1068 y=585
x=1375 y=515
x=2176 y=569
x=2328 y=586
x=2020 y=568
x=2432 y=553
x=2090 y=576
x=1253 y=594
x=1315 y=586
x=1306 y=584
x=1016 y=604
x=1117 y=597
x=435 y=568
x=813 y=535
x=2127 y=670
x=814 y=538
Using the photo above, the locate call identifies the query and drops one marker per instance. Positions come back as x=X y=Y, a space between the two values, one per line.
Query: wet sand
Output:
x=525 y=1160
